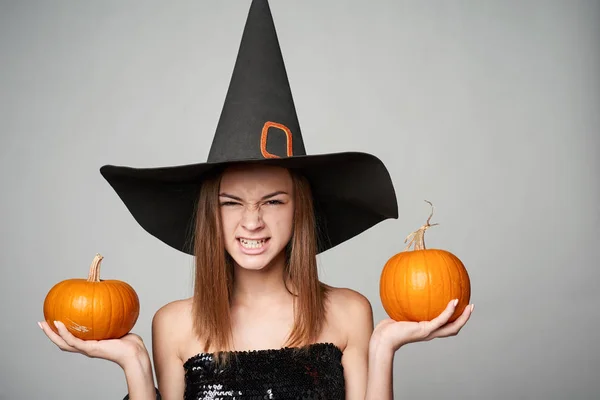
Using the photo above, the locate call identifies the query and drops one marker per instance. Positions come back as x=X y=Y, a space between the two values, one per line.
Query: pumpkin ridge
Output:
x=102 y=312
x=119 y=310
x=402 y=274
x=121 y=291
x=446 y=281
x=387 y=276
x=455 y=276
x=398 y=301
x=133 y=299
x=429 y=282
x=115 y=310
x=394 y=302
x=426 y=269
x=404 y=291
x=450 y=259
x=93 y=316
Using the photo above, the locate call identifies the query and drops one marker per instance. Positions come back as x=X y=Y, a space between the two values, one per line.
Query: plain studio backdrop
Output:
x=489 y=109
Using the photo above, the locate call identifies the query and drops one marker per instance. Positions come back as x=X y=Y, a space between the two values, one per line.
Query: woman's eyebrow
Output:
x=268 y=196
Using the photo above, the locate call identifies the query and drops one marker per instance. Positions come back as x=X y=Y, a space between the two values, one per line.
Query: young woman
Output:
x=260 y=323
x=258 y=219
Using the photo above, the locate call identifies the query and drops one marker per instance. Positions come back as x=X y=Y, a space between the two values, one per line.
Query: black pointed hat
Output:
x=258 y=124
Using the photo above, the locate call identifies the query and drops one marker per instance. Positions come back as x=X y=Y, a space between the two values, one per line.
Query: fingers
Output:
x=83 y=346
x=453 y=328
x=66 y=341
x=443 y=318
x=55 y=338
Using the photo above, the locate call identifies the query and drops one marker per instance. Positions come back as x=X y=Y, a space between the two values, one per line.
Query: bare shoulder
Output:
x=171 y=324
x=349 y=302
x=174 y=311
x=170 y=332
x=351 y=312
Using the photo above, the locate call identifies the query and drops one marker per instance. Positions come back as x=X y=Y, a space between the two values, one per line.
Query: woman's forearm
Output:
x=140 y=379
x=380 y=375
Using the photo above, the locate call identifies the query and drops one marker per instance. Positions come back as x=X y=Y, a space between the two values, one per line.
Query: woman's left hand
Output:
x=394 y=334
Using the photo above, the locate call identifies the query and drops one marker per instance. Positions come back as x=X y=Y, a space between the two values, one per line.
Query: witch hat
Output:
x=258 y=124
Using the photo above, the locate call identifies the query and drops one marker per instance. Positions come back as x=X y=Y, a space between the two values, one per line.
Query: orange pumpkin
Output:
x=417 y=285
x=93 y=309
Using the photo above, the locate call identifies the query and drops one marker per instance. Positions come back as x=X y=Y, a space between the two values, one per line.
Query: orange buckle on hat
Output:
x=265 y=133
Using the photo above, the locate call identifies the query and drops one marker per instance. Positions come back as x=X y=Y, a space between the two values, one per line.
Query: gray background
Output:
x=490 y=109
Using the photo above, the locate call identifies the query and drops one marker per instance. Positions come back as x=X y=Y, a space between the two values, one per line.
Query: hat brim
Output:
x=352 y=192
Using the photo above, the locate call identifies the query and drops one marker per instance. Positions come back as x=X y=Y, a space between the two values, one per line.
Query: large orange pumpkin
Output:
x=93 y=309
x=417 y=285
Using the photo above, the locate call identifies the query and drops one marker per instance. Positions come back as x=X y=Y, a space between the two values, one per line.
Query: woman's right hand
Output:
x=128 y=349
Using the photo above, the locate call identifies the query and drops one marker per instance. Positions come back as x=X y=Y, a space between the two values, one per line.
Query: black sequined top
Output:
x=313 y=373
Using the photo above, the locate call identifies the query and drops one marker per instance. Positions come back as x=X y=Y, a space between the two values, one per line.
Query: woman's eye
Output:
x=274 y=202
x=229 y=203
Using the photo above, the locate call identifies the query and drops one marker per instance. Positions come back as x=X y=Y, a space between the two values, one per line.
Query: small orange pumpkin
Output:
x=417 y=285
x=93 y=309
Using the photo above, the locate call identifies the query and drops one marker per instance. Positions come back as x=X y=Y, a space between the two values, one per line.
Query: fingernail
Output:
x=455 y=302
x=56 y=323
x=472 y=307
x=40 y=325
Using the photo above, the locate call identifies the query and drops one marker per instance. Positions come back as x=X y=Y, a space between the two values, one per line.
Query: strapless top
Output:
x=313 y=373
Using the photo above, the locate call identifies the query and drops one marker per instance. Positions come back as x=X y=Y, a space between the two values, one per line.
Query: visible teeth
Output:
x=252 y=244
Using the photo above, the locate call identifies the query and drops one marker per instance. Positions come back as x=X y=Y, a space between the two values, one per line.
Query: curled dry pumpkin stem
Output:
x=94 y=275
x=417 y=238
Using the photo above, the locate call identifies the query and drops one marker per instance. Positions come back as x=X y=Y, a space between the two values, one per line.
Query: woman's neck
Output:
x=255 y=287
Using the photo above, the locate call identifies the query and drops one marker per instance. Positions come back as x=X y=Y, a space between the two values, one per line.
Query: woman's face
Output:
x=257 y=210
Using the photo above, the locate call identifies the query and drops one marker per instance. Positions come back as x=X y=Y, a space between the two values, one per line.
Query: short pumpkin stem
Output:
x=94 y=275
x=417 y=238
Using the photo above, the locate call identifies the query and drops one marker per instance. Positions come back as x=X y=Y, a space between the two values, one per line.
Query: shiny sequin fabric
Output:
x=313 y=373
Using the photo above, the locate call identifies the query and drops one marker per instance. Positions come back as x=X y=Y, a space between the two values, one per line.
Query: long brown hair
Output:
x=214 y=270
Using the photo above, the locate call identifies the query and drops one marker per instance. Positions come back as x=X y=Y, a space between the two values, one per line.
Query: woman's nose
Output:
x=252 y=219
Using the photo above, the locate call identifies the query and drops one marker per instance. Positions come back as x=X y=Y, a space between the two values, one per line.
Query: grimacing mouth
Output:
x=252 y=243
